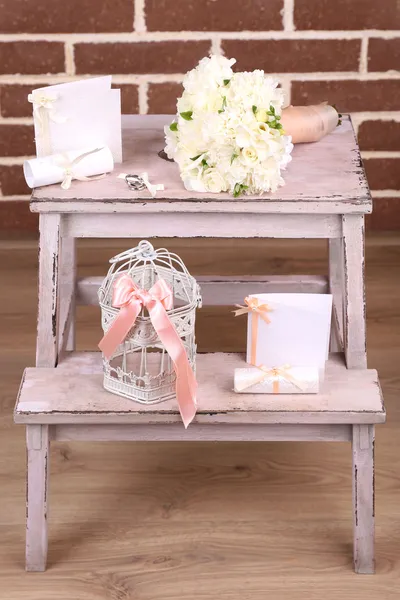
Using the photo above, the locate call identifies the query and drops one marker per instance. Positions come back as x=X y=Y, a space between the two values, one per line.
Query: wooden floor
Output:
x=176 y=521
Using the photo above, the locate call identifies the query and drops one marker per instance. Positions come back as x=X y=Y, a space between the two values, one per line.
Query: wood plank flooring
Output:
x=245 y=521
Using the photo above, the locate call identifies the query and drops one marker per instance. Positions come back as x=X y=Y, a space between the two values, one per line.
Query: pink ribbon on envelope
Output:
x=130 y=299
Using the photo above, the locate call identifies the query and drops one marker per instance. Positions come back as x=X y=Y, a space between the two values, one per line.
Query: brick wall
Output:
x=344 y=51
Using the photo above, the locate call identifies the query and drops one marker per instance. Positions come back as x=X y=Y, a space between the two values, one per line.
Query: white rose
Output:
x=249 y=155
x=213 y=181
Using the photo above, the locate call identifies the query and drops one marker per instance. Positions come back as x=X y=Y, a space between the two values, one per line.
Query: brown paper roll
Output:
x=309 y=123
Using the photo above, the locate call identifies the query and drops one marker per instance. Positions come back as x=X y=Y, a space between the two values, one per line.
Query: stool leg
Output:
x=37 y=440
x=354 y=292
x=48 y=313
x=363 y=498
x=67 y=293
x=336 y=267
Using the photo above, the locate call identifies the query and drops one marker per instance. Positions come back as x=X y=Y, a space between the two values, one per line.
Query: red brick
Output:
x=139 y=57
x=346 y=14
x=162 y=98
x=385 y=215
x=66 y=16
x=12 y=181
x=31 y=57
x=293 y=56
x=384 y=55
x=213 y=15
x=14 y=100
x=129 y=99
x=16 y=216
x=379 y=135
x=16 y=140
x=383 y=173
x=351 y=95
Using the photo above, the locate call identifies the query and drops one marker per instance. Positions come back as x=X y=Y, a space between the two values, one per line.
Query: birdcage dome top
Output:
x=145 y=265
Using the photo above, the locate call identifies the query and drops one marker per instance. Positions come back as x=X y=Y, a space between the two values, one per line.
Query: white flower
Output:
x=213 y=181
x=227 y=134
x=249 y=155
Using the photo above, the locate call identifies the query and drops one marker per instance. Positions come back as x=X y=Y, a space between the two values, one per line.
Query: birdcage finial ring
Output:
x=145 y=250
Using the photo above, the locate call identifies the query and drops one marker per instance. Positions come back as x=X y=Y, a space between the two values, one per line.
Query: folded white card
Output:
x=297 y=333
x=278 y=380
x=63 y=168
x=80 y=114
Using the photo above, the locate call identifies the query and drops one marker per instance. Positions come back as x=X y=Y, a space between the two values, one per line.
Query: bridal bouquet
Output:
x=227 y=135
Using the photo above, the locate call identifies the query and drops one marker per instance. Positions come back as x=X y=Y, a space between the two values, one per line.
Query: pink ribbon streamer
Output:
x=130 y=299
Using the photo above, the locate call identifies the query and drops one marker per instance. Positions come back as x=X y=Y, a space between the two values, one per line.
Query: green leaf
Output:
x=234 y=155
x=223 y=105
x=254 y=108
x=239 y=189
x=187 y=115
x=272 y=110
x=204 y=163
x=174 y=127
x=196 y=157
x=226 y=81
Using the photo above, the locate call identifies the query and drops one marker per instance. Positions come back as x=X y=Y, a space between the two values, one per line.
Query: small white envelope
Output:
x=79 y=114
x=297 y=334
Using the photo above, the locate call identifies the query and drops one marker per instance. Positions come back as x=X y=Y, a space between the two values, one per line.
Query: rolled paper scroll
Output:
x=276 y=380
x=85 y=164
x=309 y=123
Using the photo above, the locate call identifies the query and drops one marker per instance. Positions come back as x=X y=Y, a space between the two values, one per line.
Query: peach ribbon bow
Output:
x=276 y=373
x=257 y=310
x=130 y=299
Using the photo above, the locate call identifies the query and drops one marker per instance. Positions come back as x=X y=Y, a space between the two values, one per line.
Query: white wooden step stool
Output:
x=326 y=196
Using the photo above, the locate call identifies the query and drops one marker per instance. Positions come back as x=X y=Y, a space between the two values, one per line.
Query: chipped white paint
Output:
x=67 y=294
x=354 y=292
x=244 y=225
x=47 y=327
x=73 y=393
x=311 y=180
x=363 y=498
x=37 y=441
x=220 y=290
x=174 y=432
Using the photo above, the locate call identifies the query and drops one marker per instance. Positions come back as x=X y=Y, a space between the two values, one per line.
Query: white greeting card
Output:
x=80 y=114
x=297 y=333
x=64 y=168
x=278 y=380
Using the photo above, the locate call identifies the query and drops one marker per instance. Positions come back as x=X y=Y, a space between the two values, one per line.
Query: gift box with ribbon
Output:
x=276 y=380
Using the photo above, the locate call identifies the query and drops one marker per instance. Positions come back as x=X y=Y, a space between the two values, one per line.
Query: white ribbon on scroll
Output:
x=83 y=165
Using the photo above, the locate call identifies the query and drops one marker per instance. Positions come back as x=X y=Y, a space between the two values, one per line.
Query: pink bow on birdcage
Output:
x=130 y=299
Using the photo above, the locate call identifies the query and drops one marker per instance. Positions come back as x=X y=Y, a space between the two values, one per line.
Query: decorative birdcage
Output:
x=140 y=367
